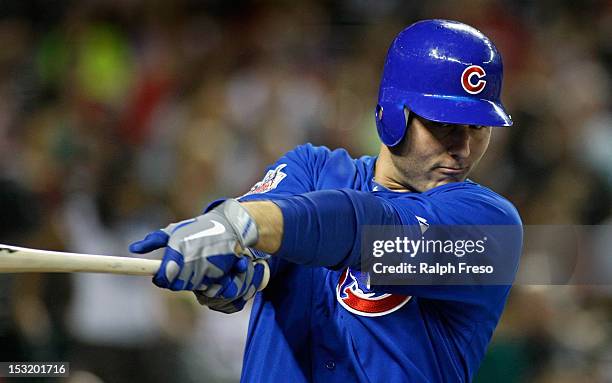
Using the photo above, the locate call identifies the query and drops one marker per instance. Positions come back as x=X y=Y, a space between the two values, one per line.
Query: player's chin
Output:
x=449 y=179
x=444 y=175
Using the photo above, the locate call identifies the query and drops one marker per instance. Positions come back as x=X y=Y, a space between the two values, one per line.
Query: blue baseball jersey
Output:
x=326 y=324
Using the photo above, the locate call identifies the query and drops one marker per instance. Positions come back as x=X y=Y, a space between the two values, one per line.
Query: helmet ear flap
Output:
x=391 y=122
x=408 y=116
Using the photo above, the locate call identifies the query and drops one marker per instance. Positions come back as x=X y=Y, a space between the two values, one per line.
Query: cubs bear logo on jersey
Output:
x=353 y=293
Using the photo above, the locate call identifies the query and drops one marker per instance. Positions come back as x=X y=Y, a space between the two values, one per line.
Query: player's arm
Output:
x=204 y=254
x=269 y=221
x=322 y=228
x=306 y=228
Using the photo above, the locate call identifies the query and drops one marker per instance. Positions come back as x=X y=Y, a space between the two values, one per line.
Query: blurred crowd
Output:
x=118 y=117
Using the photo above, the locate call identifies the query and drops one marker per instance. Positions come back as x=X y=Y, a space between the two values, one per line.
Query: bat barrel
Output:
x=15 y=259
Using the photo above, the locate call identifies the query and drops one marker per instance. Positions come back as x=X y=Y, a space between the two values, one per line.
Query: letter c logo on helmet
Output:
x=468 y=84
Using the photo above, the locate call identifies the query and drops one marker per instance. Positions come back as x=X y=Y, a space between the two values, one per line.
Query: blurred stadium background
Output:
x=119 y=116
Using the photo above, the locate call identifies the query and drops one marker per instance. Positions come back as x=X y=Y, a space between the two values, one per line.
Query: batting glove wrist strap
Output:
x=241 y=221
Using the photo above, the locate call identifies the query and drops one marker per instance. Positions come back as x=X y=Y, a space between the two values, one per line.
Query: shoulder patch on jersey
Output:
x=354 y=294
x=270 y=181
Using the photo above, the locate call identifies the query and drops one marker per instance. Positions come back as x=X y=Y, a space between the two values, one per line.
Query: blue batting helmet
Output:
x=444 y=71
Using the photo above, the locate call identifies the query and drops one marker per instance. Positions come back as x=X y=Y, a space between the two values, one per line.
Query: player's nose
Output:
x=458 y=142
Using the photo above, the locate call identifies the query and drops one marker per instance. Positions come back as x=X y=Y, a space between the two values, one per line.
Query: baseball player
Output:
x=319 y=319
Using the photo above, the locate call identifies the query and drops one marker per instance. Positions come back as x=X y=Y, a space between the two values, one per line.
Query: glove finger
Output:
x=206 y=282
x=240 y=282
x=221 y=305
x=258 y=275
x=235 y=306
x=212 y=290
x=175 y=226
x=223 y=262
x=224 y=306
x=222 y=288
x=241 y=266
x=235 y=288
x=189 y=286
x=178 y=285
x=211 y=286
x=185 y=279
x=212 y=275
x=229 y=290
x=218 y=289
x=240 y=285
x=171 y=266
x=152 y=241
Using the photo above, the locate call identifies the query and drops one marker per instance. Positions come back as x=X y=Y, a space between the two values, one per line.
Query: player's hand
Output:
x=199 y=252
x=251 y=276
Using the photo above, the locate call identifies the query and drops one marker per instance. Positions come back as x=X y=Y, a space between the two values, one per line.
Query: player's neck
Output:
x=385 y=173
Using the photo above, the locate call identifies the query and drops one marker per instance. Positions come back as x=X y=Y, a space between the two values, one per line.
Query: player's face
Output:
x=434 y=154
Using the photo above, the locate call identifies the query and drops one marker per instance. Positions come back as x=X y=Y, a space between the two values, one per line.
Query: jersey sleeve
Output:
x=324 y=228
x=467 y=204
x=454 y=204
x=296 y=172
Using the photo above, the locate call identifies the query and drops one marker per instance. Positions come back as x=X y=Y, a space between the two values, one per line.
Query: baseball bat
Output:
x=15 y=259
